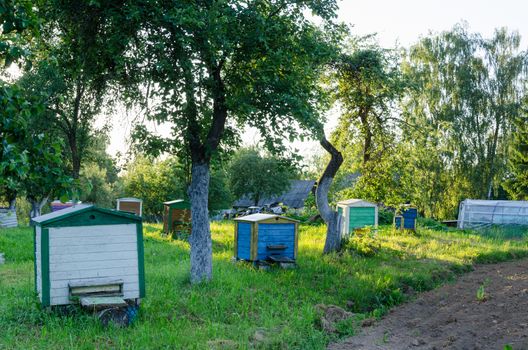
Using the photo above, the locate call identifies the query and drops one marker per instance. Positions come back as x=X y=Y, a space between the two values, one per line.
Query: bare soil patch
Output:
x=457 y=316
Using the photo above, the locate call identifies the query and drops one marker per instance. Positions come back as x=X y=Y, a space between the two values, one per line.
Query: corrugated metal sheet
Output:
x=293 y=198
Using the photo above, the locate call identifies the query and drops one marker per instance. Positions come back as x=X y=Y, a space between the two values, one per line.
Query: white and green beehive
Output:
x=357 y=214
x=85 y=249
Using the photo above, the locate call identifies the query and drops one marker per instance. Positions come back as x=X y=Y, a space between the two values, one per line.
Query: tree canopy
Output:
x=256 y=176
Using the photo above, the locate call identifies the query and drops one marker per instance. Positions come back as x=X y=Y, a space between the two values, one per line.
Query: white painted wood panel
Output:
x=60 y=288
x=63 y=300
x=130 y=270
x=92 y=253
x=87 y=240
x=93 y=248
x=90 y=265
x=94 y=232
x=86 y=257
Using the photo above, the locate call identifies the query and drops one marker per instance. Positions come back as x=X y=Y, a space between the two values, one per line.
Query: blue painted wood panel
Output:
x=244 y=241
x=276 y=234
x=397 y=222
x=409 y=216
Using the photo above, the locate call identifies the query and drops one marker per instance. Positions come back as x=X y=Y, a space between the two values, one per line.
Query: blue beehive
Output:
x=407 y=219
x=261 y=237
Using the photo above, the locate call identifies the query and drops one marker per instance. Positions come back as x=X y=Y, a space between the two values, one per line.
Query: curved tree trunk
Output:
x=330 y=216
x=200 y=239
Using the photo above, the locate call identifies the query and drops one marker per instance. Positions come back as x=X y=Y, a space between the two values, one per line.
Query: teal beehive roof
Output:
x=84 y=214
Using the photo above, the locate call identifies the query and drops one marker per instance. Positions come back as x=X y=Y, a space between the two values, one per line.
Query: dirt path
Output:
x=452 y=317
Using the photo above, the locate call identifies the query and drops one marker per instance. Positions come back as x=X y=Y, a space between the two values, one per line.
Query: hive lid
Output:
x=356 y=203
x=178 y=203
x=129 y=199
x=78 y=209
x=262 y=217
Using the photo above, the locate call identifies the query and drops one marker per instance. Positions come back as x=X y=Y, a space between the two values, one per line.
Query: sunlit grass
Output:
x=241 y=299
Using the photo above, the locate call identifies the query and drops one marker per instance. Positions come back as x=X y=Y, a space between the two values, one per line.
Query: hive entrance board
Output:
x=98 y=294
x=281 y=259
x=102 y=302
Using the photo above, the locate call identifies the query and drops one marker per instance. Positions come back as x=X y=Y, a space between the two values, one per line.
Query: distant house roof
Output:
x=293 y=198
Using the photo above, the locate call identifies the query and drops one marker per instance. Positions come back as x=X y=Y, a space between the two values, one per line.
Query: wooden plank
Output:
x=94 y=283
x=93 y=232
x=254 y=241
x=100 y=247
x=108 y=289
x=64 y=299
x=102 y=302
x=130 y=292
x=91 y=265
x=87 y=257
x=86 y=241
x=111 y=272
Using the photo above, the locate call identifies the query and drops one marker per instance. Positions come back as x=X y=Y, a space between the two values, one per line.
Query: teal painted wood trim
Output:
x=141 y=259
x=44 y=268
x=35 y=255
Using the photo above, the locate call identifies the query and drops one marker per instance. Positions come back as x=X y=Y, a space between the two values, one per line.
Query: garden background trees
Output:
x=257 y=176
x=215 y=66
x=459 y=117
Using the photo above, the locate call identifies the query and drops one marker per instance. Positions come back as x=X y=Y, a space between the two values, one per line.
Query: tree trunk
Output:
x=36 y=207
x=76 y=160
x=491 y=157
x=200 y=239
x=331 y=217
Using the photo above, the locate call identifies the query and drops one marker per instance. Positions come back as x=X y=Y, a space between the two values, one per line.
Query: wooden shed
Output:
x=85 y=251
x=177 y=216
x=357 y=213
x=406 y=220
x=261 y=237
x=131 y=205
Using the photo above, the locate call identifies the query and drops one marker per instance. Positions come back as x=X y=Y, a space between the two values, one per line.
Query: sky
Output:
x=401 y=23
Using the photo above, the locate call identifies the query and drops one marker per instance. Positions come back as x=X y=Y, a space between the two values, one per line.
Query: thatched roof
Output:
x=293 y=198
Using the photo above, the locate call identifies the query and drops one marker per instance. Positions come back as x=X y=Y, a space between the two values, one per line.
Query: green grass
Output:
x=240 y=299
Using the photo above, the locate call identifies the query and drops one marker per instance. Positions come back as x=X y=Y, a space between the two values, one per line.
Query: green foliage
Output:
x=15 y=111
x=154 y=182
x=517 y=181
x=46 y=177
x=217 y=67
x=362 y=242
x=385 y=216
x=19 y=24
x=98 y=190
x=240 y=299
x=369 y=85
x=31 y=161
x=158 y=181
x=458 y=117
x=220 y=196
x=257 y=177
